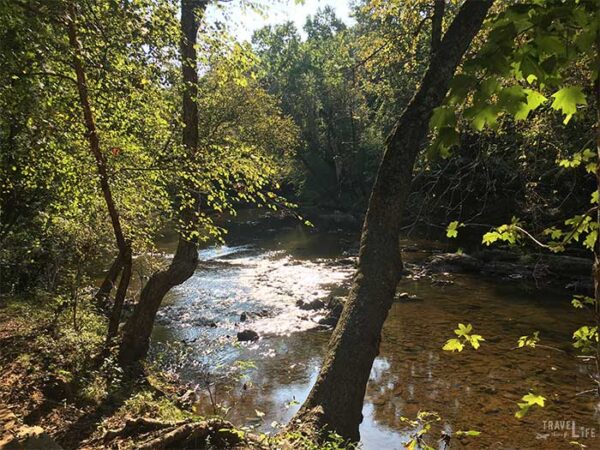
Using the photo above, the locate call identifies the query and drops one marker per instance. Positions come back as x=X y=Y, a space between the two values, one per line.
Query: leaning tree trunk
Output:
x=123 y=261
x=137 y=330
x=335 y=401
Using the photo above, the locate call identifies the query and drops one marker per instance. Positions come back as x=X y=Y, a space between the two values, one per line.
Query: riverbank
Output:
x=284 y=283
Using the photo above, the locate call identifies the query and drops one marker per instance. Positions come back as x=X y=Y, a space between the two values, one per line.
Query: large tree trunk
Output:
x=137 y=330
x=335 y=401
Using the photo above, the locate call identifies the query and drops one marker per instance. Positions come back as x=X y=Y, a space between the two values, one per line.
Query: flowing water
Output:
x=263 y=271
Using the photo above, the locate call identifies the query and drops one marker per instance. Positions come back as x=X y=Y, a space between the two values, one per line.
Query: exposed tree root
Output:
x=152 y=434
x=137 y=426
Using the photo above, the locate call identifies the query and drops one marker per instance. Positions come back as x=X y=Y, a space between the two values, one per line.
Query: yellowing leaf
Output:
x=453 y=345
x=532 y=399
x=452 y=229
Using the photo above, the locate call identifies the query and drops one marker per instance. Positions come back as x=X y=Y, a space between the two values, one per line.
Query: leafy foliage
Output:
x=529 y=341
x=529 y=400
x=464 y=337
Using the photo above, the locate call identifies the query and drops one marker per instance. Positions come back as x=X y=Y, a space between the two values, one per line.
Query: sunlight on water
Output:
x=265 y=278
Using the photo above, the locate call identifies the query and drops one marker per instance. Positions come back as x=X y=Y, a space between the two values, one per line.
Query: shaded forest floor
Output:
x=54 y=395
x=50 y=379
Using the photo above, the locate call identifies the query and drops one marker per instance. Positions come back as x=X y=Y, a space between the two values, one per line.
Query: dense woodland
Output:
x=123 y=123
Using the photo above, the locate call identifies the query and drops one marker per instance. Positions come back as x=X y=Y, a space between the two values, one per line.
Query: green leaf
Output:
x=474 y=339
x=486 y=115
x=532 y=399
x=590 y=239
x=534 y=100
x=463 y=330
x=460 y=86
x=523 y=409
x=411 y=445
x=529 y=400
x=453 y=345
x=468 y=433
x=490 y=237
x=513 y=99
x=567 y=99
x=447 y=138
x=530 y=70
x=452 y=229
x=550 y=45
x=443 y=116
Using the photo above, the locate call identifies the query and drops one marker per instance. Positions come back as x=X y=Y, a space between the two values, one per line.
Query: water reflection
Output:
x=266 y=274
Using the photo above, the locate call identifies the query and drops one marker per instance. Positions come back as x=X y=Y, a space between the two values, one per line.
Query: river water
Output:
x=266 y=267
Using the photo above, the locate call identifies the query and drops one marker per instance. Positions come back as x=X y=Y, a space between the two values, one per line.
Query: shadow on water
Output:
x=266 y=272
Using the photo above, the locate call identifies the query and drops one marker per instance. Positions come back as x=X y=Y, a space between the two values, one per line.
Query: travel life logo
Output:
x=566 y=429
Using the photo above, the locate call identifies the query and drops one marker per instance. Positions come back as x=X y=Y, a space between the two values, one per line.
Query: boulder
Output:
x=329 y=321
x=313 y=305
x=335 y=305
x=454 y=262
x=247 y=336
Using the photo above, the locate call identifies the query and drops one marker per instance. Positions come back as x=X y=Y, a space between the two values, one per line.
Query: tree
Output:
x=318 y=86
x=124 y=260
x=226 y=159
x=136 y=334
x=335 y=401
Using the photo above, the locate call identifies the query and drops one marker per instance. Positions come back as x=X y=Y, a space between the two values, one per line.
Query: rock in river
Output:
x=310 y=306
x=247 y=335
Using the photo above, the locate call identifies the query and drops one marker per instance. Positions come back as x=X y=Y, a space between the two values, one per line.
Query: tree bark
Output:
x=115 y=317
x=439 y=7
x=108 y=283
x=137 y=330
x=335 y=401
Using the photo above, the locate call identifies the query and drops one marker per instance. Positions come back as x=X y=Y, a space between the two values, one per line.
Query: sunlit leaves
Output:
x=453 y=345
x=509 y=233
x=582 y=301
x=467 y=433
x=464 y=337
x=585 y=338
x=452 y=229
x=583 y=157
x=443 y=116
x=567 y=99
x=529 y=341
x=522 y=59
x=533 y=101
x=528 y=401
x=421 y=428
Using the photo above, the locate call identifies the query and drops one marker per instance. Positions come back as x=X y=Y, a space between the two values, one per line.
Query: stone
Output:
x=247 y=335
x=310 y=306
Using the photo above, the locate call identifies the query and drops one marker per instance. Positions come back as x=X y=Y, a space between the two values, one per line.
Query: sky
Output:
x=243 y=21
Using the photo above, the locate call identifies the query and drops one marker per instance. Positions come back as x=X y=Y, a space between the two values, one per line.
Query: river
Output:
x=267 y=267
